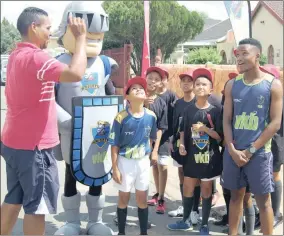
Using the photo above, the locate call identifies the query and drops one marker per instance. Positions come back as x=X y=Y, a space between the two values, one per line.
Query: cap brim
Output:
x=136 y=80
x=270 y=70
x=163 y=73
x=186 y=74
x=202 y=72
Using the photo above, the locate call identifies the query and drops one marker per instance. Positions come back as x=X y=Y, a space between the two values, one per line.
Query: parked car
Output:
x=4 y=62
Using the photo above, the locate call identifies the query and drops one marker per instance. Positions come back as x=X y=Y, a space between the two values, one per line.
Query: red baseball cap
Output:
x=199 y=72
x=270 y=69
x=136 y=80
x=233 y=75
x=162 y=72
x=187 y=73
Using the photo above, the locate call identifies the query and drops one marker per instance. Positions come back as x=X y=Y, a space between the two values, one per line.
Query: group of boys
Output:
x=205 y=140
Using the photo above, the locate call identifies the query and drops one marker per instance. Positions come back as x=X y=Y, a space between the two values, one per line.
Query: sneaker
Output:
x=154 y=200
x=223 y=222
x=204 y=230
x=176 y=213
x=180 y=226
x=277 y=220
x=161 y=208
x=194 y=217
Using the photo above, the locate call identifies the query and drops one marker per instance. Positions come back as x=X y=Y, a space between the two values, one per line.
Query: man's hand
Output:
x=116 y=175
x=247 y=154
x=182 y=150
x=239 y=157
x=77 y=26
x=154 y=158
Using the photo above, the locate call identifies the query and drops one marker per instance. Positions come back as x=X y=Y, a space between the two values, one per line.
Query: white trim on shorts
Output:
x=175 y=163
x=213 y=178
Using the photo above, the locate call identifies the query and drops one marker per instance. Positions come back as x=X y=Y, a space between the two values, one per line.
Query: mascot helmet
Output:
x=97 y=23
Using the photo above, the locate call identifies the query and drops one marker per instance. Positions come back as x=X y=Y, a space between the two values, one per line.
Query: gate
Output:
x=122 y=57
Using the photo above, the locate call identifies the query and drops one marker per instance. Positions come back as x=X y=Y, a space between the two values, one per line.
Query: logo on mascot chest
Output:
x=90 y=82
x=101 y=133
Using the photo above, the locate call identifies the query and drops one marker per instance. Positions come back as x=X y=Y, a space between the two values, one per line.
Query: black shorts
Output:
x=277 y=149
x=208 y=171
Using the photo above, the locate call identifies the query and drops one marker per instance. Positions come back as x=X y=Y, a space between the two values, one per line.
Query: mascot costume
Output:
x=94 y=83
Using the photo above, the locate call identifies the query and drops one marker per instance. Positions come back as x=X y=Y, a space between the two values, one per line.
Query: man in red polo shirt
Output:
x=30 y=129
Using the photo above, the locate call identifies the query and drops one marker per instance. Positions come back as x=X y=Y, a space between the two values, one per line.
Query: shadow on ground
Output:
x=158 y=222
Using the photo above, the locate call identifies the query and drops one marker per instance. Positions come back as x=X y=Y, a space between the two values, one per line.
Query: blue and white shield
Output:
x=202 y=141
x=90 y=155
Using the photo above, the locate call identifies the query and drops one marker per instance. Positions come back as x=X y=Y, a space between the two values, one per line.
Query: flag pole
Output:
x=250 y=20
x=145 y=60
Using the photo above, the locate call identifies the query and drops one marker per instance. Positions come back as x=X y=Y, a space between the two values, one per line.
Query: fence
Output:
x=220 y=72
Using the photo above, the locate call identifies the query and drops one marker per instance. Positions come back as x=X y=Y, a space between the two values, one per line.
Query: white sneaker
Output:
x=194 y=217
x=176 y=213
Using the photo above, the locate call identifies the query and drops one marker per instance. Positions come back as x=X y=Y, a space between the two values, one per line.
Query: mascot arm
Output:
x=109 y=87
x=113 y=64
x=64 y=120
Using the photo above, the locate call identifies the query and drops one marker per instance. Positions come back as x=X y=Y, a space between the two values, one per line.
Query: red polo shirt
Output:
x=31 y=118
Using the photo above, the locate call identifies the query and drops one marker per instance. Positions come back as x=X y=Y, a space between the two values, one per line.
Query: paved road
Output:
x=159 y=222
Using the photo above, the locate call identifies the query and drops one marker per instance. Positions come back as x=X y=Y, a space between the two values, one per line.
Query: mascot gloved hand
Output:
x=94 y=83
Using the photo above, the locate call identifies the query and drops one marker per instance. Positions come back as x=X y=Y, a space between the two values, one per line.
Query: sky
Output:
x=12 y=9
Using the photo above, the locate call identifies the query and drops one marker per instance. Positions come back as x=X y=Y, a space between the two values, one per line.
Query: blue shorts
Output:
x=32 y=179
x=257 y=173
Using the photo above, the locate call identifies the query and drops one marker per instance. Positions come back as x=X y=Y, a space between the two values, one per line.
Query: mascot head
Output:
x=97 y=24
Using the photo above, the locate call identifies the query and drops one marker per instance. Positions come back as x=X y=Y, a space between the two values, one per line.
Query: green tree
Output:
x=263 y=60
x=204 y=55
x=9 y=36
x=170 y=24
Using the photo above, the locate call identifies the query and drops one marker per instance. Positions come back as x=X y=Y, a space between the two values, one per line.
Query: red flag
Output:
x=146 y=49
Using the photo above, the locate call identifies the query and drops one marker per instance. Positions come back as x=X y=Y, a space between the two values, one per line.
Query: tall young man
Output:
x=249 y=209
x=252 y=115
x=30 y=130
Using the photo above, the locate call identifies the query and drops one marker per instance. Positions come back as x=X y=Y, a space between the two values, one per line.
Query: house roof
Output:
x=208 y=22
x=274 y=7
x=214 y=32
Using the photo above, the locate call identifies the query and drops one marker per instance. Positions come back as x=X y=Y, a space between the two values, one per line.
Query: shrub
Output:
x=204 y=55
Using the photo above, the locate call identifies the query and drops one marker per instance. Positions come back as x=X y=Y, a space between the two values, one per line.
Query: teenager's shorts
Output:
x=134 y=173
x=32 y=179
x=175 y=163
x=257 y=173
x=277 y=149
x=164 y=160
